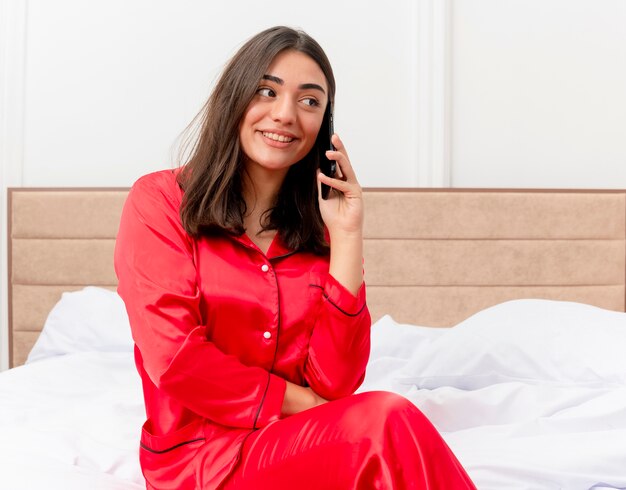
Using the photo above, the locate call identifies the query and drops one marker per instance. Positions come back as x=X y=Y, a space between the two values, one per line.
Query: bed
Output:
x=499 y=313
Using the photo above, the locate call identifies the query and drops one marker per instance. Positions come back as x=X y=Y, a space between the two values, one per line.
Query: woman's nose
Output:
x=284 y=110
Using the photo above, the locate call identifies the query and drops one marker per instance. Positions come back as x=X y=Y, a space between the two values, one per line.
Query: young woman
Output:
x=245 y=294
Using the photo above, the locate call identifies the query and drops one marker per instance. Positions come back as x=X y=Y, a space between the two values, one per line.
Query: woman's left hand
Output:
x=342 y=212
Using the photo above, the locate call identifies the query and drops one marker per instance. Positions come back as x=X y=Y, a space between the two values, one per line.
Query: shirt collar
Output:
x=276 y=250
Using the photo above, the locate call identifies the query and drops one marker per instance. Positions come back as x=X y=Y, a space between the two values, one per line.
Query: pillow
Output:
x=526 y=340
x=393 y=344
x=92 y=319
x=400 y=340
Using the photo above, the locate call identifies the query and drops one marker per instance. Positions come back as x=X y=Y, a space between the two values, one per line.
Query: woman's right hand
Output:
x=299 y=398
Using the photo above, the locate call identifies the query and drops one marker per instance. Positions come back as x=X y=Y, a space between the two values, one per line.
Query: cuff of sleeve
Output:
x=342 y=299
x=272 y=403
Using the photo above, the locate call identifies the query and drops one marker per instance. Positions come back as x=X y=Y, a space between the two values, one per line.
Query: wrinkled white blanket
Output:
x=71 y=422
x=529 y=394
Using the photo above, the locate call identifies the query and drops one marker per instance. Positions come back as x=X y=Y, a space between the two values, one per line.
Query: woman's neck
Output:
x=261 y=188
x=260 y=191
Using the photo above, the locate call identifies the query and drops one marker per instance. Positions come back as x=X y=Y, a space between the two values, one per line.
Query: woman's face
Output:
x=281 y=122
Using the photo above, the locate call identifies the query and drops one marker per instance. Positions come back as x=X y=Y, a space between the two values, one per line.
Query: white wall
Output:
x=538 y=93
x=472 y=93
x=108 y=86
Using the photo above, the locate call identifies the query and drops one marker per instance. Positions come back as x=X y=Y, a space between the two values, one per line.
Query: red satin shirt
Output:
x=219 y=326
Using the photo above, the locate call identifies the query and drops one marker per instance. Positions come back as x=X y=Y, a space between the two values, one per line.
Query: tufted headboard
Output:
x=432 y=256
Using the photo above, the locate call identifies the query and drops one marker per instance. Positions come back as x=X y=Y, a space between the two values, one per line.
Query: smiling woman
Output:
x=245 y=294
x=285 y=114
x=280 y=127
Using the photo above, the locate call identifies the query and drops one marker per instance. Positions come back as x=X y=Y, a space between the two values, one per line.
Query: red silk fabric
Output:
x=218 y=327
x=374 y=440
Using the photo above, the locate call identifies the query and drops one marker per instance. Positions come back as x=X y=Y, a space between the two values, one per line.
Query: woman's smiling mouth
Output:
x=277 y=137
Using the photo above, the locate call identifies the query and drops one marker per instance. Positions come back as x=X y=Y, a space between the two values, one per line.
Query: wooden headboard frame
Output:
x=432 y=256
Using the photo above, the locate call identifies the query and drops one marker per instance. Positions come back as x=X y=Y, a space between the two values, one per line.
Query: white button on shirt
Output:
x=265 y=267
x=267 y=335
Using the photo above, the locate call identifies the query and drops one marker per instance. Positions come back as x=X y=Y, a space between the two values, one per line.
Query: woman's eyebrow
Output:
x=280 y=81
x=314 y=86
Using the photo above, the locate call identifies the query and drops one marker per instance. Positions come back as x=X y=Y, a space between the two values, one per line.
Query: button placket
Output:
x=270 y=335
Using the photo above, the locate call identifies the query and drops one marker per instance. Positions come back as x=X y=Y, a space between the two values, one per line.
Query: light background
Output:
x=463 y=93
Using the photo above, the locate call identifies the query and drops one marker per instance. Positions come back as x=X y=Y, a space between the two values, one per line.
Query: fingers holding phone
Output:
x=344 y=180
x=327 y=166
x=344 y=169
x=343 y=210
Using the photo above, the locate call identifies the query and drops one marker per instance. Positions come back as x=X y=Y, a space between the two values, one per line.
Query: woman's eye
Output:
x=265 y=92
x=311 y=102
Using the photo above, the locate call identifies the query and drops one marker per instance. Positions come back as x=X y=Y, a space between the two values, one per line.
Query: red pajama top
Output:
x=218 y=327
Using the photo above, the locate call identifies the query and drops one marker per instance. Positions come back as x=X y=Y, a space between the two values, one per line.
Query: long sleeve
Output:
x=155 y=264
x=340 y=343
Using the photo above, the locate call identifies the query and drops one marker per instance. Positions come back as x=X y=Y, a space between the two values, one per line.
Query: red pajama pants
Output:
x=374 y=440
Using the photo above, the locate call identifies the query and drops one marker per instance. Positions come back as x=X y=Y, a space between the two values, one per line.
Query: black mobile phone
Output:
x=328 y=167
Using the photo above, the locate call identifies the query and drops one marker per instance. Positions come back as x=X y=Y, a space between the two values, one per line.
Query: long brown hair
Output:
x=212 y=177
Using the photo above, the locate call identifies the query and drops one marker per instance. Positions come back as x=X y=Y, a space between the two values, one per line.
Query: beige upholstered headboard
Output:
x=432 y=256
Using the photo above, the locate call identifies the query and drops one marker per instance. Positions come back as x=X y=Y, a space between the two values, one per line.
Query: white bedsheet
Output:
x=71 y=422
x=513 y=418
x=519 y=425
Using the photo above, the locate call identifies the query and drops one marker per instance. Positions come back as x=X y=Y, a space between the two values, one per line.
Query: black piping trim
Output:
x=269 y=374
x=279 y=323
x=256 y=249
x=283 y=255
x=332 y=303
x=258 y=412
x=170 y=448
